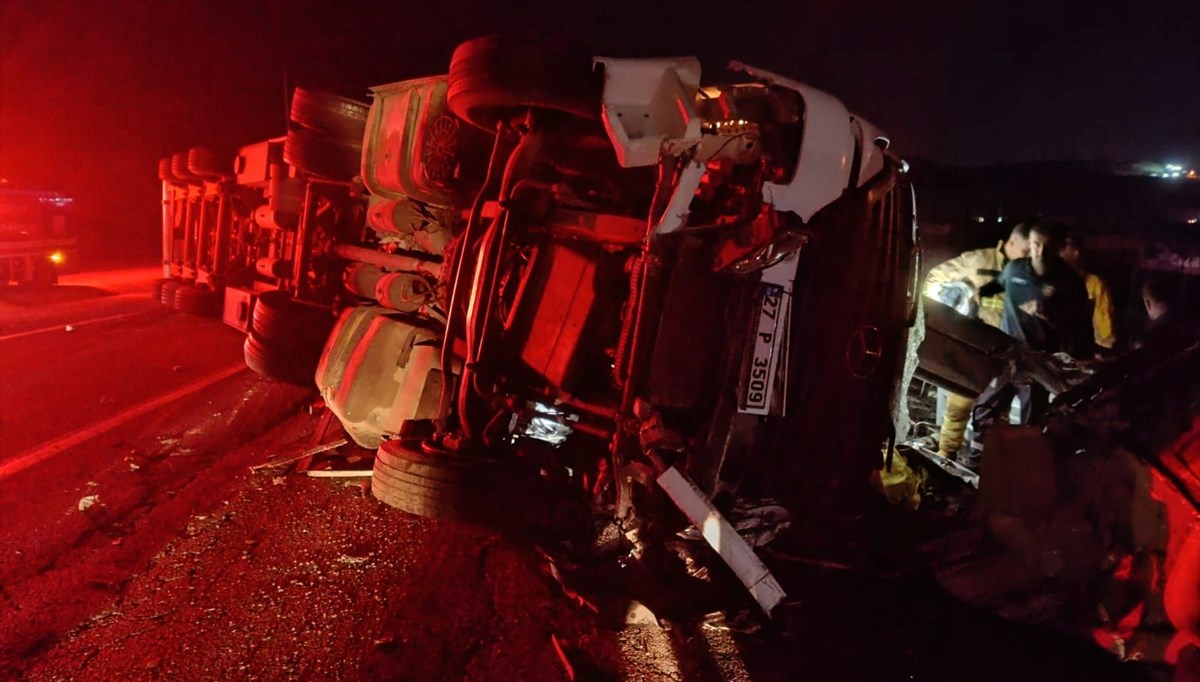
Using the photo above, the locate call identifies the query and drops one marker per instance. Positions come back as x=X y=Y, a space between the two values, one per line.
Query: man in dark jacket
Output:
x=1046 y=306
x=1046 y=303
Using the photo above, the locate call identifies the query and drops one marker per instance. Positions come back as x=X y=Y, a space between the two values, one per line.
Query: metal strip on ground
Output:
x=41 y=453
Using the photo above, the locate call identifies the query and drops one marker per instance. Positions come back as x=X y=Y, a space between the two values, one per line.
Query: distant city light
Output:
x=1174 y=167
x=55 y=200
x=1193 y=221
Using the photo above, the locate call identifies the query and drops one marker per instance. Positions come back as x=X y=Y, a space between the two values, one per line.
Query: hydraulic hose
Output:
x=464 y=251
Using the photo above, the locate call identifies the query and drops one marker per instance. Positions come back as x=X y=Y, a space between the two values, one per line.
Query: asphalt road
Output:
x=136 y=542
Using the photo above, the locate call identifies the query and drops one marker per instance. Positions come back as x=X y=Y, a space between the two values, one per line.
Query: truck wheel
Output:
x=164 y=170
x=203 y=163
x=277 y=362
x=279 y=319
x=336 y=117
x=194 y=300
x=158 y=286
x=288 y=337
x=179 y=169
x=166 y=294
x=318 y=154
x=436 y=484
x=493 y=78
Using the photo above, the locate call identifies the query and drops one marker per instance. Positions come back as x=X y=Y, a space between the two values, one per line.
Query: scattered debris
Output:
x=87 y=501
x=761 y=524
x=353 y=560
x=742 y=622
x=133 y=466
x=278 y=480
x=70 y=328
x=638 y=614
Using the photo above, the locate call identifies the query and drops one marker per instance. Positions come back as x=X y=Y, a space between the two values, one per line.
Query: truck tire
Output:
x=436 y=484
x=166 y=294
x=338 y=118
x=277 y=363
x=195 y=300
x=287 y=337
x=493 y=78
x=321 y=155
x=281 y=320
x=179 y=168
x=164 y=170
x=203 y=163
x=158 y=286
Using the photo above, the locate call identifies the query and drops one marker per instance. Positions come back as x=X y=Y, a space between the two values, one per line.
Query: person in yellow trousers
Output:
x=1102 y=306
x=976 y=269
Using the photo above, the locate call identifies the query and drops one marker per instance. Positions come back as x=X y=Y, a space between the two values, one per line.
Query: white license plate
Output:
x=758 y=388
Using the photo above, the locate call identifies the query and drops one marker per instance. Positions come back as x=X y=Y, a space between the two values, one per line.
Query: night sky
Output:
x=92 y=94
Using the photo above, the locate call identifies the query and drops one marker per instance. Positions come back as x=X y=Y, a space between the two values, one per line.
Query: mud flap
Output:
x=721 y=536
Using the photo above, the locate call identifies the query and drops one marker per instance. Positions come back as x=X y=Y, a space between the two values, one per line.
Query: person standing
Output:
x=1046 y=306
x=978 y=269
x=1098 y=293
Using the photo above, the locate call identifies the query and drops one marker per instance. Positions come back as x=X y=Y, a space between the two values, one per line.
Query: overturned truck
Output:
x=571 y=288
x=549 y=289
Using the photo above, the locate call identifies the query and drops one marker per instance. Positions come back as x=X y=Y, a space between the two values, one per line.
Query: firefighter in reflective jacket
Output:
x=1102 y=306
x=975 y=269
